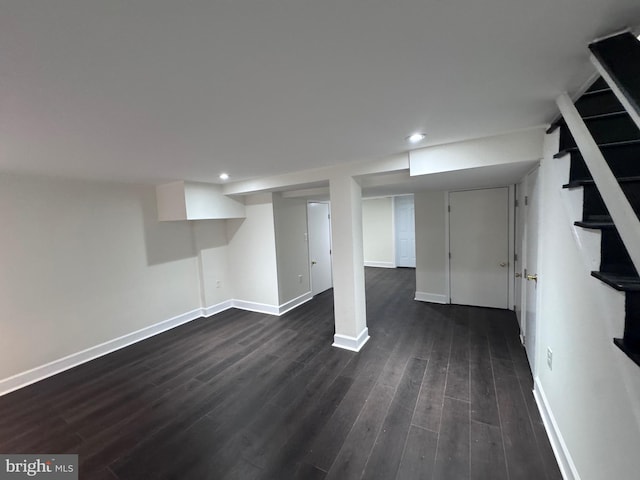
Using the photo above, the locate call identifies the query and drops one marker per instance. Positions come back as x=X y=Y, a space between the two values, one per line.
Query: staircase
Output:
x=610 y=109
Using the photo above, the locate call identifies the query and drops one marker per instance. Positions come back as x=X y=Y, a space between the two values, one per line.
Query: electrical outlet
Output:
x=549 y=358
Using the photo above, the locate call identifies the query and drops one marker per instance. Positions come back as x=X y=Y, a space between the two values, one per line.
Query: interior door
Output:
x=532 y=207
x=405 y=231
x=520 y=244
x=479 y=247
x=319 y=229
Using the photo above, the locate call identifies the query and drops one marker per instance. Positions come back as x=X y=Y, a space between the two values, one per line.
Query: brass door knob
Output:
x=532 y=277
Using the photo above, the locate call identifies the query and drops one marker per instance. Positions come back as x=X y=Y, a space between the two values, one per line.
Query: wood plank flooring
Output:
x=439 y=392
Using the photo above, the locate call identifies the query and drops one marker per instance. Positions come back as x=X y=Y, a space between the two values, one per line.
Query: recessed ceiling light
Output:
x=224 y=176
x=416 y=137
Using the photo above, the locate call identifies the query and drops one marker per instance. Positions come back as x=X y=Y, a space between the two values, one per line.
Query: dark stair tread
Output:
x=554 y=126
x=624 y=143
x=633 y=354
x=620 y=56
x=598 y=84
x=605 y=115
x=599 y=91
x=624 y=283
x=594 y=225
x=560 y=121
x=589 y=181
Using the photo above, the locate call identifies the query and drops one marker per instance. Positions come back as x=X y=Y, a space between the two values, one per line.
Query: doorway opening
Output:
x=319 y=233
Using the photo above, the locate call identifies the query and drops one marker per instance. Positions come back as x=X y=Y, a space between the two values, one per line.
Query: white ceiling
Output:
x=158 y=90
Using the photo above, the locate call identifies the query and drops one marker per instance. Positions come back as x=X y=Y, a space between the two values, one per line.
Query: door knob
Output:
x=533 y=277
x=518 y=274
x=313 y=262
x=503 y=264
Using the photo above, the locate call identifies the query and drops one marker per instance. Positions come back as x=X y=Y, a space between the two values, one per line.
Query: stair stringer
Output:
x=610 y=302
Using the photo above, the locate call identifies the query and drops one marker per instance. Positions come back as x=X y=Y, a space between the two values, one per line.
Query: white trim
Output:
x=256 y=307
x=633 y=113
x=511 y=235
x=431 y=297
x=563 y=456
x=380 y=264
x=220 y=307
x=393 y=234
x=351 y=343
x=447 y=243
x=296 y=302
x=36 y=374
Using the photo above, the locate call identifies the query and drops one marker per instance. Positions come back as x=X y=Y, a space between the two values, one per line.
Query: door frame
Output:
x=328 y=203
x=511 y=229
x=394 y=228
x=525 y=263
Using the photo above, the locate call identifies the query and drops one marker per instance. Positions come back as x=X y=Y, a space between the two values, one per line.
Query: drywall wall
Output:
x=210 y=237
x=85 y=262
x=292 y=248
x=206 y=201
x=252 y=253
x=431 y=247
x=378 y=232
x=195 y=201
x=522 y=146
x=592 y=391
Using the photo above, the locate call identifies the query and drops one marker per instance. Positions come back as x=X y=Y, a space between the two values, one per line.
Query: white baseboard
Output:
x=565 y=462
x=220 y=307
x=23 y=379
x=256 y=307
x=380 y=264
x=296 y=302
x=431 y=297
x=351 y=343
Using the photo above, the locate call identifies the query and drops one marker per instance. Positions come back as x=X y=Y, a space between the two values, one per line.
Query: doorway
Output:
x=405 y=231
x=479 y=247
x=319 y=231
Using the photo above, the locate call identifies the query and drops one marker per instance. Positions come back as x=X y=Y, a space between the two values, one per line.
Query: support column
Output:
x=348 y=264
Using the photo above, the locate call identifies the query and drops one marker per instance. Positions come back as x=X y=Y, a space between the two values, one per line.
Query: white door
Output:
x=479 y=247
x=521 y=218
x=532 y=207
x=319 y=227
x=405 y=231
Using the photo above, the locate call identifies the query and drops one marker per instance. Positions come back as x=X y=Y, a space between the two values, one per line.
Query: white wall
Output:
x=210 y=237
x=252 y=253
x=378 y=232
x=292 y=248
x=85 y=262
x=593 y=390
x=431 y=247
x=523 y=146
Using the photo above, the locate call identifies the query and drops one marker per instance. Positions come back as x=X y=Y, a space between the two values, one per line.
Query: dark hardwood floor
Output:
x=438 y=392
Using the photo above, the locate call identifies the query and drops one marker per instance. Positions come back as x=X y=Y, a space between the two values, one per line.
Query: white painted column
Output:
x=348 y=264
